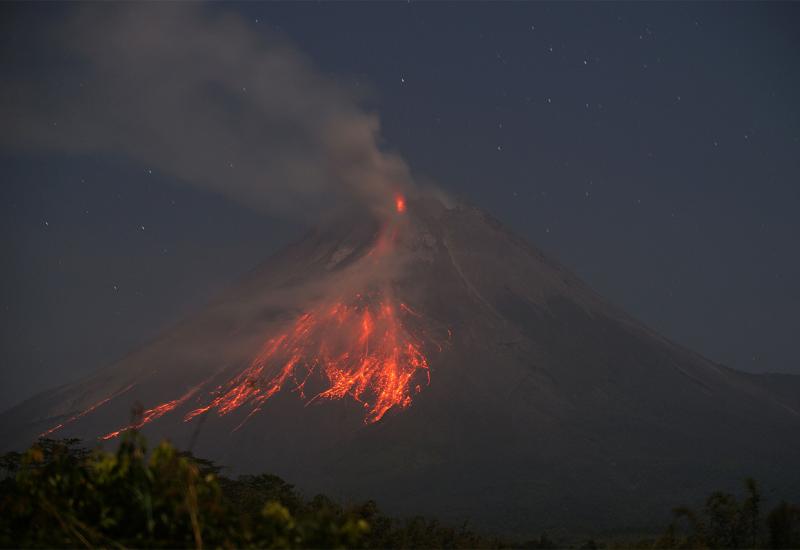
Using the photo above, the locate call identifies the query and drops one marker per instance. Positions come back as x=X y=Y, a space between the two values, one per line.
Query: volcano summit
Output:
x=441 y=365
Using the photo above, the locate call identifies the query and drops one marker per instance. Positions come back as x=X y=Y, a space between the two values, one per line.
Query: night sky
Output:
x=652 y=148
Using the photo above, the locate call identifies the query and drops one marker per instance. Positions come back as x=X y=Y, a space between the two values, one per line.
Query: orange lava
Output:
x=84 y=412
x=152 y=414
x=358 y=350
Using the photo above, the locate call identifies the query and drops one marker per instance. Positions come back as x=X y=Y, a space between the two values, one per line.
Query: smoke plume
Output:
x=199 y=94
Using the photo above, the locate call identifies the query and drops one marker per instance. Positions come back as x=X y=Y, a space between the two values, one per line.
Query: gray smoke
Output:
x=200 y=95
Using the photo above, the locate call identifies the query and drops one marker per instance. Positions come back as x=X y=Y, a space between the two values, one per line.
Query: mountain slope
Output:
x=546 y=406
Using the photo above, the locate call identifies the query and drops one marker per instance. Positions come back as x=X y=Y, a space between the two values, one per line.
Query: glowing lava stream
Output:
x=86 y=411
x=156 y=412
x=399 y=203
x=359 y=350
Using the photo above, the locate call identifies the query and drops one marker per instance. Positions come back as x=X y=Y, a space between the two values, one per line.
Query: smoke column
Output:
x=199 y=94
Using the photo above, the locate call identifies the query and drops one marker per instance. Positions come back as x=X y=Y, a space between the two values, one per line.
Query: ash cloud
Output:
x=200 y=95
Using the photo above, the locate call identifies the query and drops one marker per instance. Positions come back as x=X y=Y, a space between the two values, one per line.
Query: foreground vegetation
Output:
x=58 y=494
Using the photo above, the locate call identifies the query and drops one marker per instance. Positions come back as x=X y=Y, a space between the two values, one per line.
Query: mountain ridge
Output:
x=546 y=404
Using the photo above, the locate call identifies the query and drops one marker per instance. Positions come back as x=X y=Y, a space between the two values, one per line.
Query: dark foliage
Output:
x=727 y=522
x=58 y=494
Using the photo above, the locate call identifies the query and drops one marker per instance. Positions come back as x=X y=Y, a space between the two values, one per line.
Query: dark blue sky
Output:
x=653 y=148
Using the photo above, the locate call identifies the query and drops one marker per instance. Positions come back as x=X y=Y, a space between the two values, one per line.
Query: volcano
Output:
x=441 y=365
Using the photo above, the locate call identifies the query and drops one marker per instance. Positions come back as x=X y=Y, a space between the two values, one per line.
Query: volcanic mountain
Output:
x=441 y=365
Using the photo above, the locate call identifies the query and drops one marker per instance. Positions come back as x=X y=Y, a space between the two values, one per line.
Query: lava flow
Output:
x=156 y=412
x=358 y=350
x=86 y=411
x=400 y=203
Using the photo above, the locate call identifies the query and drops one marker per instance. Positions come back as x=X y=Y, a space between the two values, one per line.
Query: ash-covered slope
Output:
x=546 y=406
